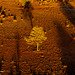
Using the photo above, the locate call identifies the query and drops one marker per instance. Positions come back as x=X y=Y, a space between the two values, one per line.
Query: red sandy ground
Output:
x=58 y=50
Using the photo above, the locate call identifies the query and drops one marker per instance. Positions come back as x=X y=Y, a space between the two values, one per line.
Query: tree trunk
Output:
x=37 y=46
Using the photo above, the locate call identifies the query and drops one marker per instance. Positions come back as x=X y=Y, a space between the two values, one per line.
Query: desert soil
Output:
x=57 y=53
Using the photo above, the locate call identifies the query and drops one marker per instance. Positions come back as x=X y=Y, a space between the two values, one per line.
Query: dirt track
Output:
x=58 y=50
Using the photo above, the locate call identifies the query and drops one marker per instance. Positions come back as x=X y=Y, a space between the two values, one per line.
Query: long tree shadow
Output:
x=17 y=54
x=69 y=11
x=27 y=11
x=64 y=41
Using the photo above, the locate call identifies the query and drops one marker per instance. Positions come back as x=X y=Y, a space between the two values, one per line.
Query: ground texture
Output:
x=57 y=53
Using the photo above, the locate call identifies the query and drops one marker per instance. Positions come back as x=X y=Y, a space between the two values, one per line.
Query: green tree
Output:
x=36 y=37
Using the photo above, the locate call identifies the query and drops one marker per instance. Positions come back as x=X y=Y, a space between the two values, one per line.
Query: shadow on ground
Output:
x=69 y=11
x=64 y=43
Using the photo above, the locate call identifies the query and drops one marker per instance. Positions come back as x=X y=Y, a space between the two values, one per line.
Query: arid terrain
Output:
x=56 y=55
